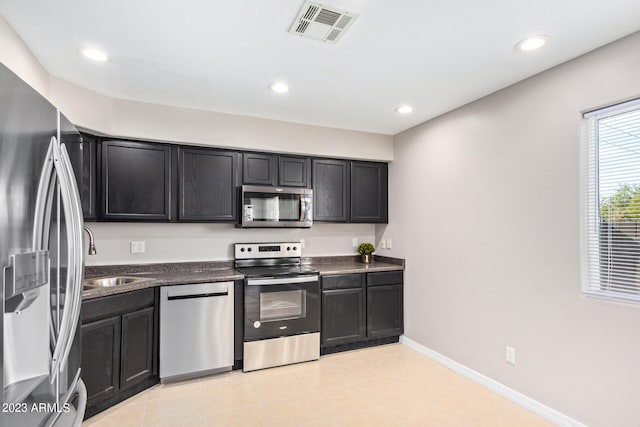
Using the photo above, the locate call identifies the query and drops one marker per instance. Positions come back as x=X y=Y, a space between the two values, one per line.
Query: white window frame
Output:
x=590 y=204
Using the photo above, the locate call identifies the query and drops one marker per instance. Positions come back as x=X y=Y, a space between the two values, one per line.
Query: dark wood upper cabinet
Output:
x=259 y=169
x=369 y=192
x=330 y=190
x=88 y=186
x=294 y=171
x=136 y=181
x=148 y=181
x=207 y=182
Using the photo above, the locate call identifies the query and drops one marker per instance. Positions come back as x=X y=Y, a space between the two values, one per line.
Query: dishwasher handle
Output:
x=193 y=296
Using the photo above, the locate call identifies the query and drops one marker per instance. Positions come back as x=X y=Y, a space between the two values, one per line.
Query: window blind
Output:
x=612 y=202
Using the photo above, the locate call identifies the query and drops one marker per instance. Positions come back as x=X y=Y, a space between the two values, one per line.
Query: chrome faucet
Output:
x=92 y=243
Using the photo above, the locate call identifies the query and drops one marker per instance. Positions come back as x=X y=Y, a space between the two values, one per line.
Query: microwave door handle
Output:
x=303 y=207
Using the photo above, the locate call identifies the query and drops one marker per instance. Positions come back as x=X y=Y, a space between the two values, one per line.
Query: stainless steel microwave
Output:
x=276 y=207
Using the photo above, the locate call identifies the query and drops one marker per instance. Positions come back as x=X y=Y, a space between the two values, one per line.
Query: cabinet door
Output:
x=343 y=316
x=384 y=311
x=208 y=181
x=137 y=347
x=88 y=187
x=259 y=169
x=293 y=171
x=330 y=190
x=101 y=358
x=369 y=192
x=136 y=181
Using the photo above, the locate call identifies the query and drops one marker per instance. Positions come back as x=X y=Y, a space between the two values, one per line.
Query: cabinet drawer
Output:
x=384 y=278
x=100 y=308
x=342 y=281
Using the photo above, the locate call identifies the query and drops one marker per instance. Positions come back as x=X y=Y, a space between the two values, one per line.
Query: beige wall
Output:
x=209 y=242
x=132 y=119
x=195 y=242
x=15 y=55
x=485 y=207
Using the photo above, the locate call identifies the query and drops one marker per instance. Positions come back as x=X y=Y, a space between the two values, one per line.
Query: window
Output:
x=612 y=203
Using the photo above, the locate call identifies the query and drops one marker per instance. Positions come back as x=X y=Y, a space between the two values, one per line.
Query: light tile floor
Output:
x=389 y=385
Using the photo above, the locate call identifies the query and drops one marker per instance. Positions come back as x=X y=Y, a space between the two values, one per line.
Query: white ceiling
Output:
x=221 y=55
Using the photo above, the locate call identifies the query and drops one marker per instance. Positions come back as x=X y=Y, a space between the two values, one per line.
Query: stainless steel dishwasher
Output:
x=196 y=330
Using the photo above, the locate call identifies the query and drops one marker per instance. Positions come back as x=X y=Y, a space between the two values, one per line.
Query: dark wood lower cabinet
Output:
x=119 y=347
x=137 y=347
x=343 y=316
x=361 y=310
x=384 y=311
x=101 y=358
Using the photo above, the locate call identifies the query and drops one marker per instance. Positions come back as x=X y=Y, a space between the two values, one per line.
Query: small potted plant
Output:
x=365 y=250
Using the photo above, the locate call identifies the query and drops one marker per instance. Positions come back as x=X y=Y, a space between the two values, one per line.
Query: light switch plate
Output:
x=138 y=247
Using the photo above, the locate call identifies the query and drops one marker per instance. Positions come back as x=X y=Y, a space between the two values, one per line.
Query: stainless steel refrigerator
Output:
x=41 y=258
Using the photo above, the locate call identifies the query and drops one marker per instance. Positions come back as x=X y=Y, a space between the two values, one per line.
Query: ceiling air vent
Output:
x=321 y=22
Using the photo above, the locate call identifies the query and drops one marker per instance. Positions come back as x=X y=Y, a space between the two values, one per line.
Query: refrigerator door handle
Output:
x=82 y=404
x=77 y=249
x=44 y=200
x=73 y=291
x=42 y=215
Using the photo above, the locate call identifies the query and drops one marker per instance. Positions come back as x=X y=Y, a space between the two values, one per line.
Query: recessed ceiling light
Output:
x=404 y=109
x=95 y=55
x=279 y=87
x=532 y=43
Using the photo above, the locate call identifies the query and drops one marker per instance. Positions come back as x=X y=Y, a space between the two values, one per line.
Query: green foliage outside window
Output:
x=624 y=206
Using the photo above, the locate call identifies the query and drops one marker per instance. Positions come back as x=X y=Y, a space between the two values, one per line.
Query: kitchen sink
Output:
x=107 y=282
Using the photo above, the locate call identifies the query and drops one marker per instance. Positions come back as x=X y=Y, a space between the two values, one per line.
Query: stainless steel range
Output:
x=281 y=305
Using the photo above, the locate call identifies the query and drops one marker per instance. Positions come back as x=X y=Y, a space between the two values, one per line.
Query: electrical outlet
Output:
x=510 y=354
x=302 y=243
x=138 y=247
x=388 y=243
x=383 y=244
x=355 y=242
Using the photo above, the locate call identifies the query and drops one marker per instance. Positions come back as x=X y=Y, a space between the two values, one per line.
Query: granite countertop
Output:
x=153 y=275
x=160 y=275
x=352 y=264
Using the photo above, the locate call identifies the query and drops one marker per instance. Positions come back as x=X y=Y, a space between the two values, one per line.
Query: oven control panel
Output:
x=267 y=250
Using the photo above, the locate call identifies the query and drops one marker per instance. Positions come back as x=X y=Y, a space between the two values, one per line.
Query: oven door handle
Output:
x=282 y=280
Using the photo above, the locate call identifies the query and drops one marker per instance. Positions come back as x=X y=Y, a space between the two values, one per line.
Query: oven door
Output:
x=276 y=307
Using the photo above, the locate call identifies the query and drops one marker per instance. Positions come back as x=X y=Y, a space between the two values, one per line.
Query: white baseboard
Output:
x=544 y=411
